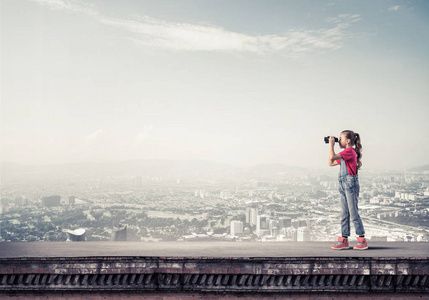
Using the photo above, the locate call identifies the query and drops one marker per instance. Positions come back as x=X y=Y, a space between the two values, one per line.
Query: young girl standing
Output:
x=349 y=161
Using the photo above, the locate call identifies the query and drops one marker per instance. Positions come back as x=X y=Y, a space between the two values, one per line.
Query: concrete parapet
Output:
x=246 y=274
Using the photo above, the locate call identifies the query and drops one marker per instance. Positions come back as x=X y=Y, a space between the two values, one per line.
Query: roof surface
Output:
x=208 y=249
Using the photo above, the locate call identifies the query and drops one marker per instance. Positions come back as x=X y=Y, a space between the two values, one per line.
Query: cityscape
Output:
x=151 y=121
x=151 y=202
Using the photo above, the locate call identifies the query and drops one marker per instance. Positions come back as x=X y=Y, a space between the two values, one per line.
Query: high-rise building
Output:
x=253 y=216
x=72 y=200
x=236 y=228
x=50 y=201
x=285 y=222
x=248 y=215
x=303 y=234
x=21 y=201
x=137 y=180
x=273 y=225
x=4 y=201
x=262 y=224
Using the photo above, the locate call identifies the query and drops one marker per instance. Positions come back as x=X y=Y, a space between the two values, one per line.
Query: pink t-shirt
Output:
x=350 y=157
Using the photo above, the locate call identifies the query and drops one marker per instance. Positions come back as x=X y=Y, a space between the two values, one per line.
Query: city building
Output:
x=77 y=235
x=21 y=201
x=295 y=223
x=72 y=200
x=272 y=224
x=285 y=222
x=292 y=233
x=303 y=234
x=120 y=233
x=50 y=201
x=236 y=228
x=253 y=216
x=225 y=195
x=262 y=224
x=274 y=232
x=302 y=223
x=137 y=180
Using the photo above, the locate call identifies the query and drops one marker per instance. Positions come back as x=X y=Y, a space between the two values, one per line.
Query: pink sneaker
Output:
x=362 y=244
x=342 y=244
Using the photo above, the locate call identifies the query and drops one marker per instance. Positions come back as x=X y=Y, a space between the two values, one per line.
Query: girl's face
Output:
x=343 y=142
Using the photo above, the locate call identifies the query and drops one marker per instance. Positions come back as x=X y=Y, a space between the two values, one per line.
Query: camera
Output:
x=327 y=139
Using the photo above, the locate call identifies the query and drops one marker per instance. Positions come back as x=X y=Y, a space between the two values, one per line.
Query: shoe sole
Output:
x=340 y=248
x=360 y=248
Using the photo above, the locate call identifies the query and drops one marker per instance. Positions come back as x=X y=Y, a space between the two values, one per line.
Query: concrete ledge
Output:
x=250 y=274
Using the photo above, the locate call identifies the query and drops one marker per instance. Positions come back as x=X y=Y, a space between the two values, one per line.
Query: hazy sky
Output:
x=242 y=82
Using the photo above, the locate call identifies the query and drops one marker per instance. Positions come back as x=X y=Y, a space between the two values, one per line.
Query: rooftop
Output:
x=208 y=249
x=212 y=268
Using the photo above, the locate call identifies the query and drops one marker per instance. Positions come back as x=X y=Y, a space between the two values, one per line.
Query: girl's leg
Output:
x=345 y=216
x=352 y=201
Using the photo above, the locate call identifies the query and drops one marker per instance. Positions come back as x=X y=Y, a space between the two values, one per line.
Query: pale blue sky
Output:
x=241 y=82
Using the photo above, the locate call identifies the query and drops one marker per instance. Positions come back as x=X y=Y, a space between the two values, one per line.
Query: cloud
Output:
x=344 y=19
x=394 y=8
x=192 y=37
x=150 y=32
x=73 y=6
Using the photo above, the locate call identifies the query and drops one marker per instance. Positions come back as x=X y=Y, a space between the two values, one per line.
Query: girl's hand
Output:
x=331 y=141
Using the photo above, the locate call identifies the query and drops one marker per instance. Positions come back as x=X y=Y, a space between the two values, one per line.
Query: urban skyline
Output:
x=261 y=206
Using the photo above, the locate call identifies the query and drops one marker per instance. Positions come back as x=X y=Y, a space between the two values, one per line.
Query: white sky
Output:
x=241 y=82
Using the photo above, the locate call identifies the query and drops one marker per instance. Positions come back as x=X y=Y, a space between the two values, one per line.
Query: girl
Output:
x=349 y=161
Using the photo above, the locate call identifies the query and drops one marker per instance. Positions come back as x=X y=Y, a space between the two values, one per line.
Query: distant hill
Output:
x=153 y=168
x=160 y=168
x=275 y=168
x=420 y=168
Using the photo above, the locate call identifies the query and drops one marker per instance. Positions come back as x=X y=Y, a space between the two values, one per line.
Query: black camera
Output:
x=327 y=139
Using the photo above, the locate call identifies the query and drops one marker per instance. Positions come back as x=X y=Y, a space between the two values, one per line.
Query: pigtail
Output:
x=358 y=149
x=356 y=142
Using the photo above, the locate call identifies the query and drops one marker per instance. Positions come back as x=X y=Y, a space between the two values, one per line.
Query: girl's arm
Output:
x=333 y=163
x=332 y=156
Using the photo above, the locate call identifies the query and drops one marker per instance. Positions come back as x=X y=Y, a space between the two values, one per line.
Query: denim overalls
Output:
x=349 y=193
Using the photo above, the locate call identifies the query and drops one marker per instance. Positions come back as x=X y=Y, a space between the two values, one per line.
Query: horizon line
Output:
x=202 y=160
